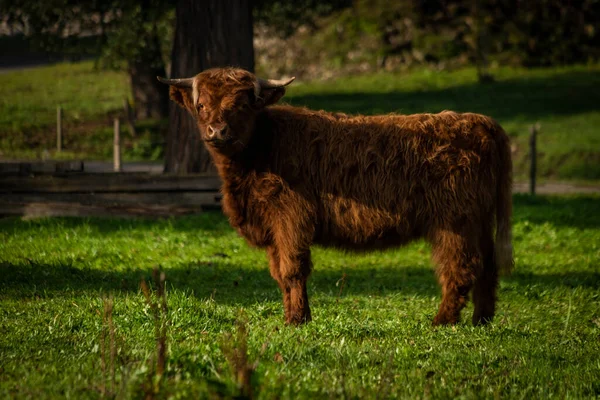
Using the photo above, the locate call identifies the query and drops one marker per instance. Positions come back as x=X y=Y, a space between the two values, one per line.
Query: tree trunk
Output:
x=150 y=99
x=209 y=33
x=479 y=43
x=149 y=95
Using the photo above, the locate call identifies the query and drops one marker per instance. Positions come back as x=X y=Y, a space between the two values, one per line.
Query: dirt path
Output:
x=557 y=188
x=138 y=166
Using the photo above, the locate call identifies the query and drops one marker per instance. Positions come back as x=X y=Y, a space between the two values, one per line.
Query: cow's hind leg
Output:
x=484 y=291
x=459 y=263
x=274 y=268
x=294 y=274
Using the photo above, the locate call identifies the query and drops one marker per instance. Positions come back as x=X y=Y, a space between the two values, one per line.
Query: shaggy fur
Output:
x=293 y=177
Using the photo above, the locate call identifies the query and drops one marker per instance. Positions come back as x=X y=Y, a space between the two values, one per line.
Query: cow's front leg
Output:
x=292 y=232
x=274 y=268
x=294 y=272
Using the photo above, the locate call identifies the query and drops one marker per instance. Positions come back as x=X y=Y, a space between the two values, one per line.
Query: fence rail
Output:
x=41 y=167
x=108 y=194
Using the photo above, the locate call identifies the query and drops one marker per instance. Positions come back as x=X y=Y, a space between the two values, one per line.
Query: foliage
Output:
x=355 y=35
x=142 y=34
x=286 y=16
x=547 y=32
x=56 y=25
x=368 y=35
x=370 y=338
x=123 y=32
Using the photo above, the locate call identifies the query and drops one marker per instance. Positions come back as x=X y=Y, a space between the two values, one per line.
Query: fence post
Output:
x=533 y=154
x=58 y=129
x=117 y=146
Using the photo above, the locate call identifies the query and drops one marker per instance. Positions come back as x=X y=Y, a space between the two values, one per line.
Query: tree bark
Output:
x=209 y=33
x=149 y=96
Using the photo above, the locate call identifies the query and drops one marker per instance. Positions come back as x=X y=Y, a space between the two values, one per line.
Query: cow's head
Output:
x=225 y=102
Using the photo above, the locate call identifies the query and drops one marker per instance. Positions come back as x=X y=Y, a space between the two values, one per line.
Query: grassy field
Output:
x=371 y=336
x=563 y=100
x=90 y=100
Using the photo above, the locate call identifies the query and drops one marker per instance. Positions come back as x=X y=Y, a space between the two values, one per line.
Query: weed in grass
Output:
x=235 y=350
x=341 y=283
x=108 y=330
x=386 y=379
x=160 y=312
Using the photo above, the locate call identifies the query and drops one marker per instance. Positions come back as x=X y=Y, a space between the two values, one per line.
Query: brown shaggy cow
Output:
x=293 y=177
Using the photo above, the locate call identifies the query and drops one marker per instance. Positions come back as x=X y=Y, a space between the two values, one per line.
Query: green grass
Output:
x=30 y=97
x=564 y=100
x=370 y=337
x=90 y=99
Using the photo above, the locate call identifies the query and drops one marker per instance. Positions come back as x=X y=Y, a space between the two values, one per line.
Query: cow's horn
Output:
x=184 y=82
x=274 y=83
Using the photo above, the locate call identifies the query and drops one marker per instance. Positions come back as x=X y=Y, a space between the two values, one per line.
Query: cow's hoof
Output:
x=443 y=319
x=480 y=320
x=298 y=319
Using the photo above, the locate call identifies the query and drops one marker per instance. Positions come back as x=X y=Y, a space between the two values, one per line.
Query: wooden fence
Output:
x=107 y=194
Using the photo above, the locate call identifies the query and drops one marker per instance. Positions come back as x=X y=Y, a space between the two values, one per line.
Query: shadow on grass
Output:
x=570 y=279
x=529 y=98
x=582 y=212
x=223 y=281
x=229 y=284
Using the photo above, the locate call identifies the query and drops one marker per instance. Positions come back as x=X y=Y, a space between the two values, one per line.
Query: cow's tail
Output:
x=503 y=246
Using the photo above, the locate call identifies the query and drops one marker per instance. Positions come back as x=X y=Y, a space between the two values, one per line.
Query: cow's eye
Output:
x=200 y=106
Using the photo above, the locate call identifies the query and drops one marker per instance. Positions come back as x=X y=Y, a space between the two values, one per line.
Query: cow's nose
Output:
x=216 y=131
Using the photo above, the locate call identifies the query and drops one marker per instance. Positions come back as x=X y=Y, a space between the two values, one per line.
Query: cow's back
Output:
x=384 y=180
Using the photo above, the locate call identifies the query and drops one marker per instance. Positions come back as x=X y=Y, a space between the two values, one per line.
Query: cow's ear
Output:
x=180 y=91
x=268 y=97
x=270 y=91
x=182 y=96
